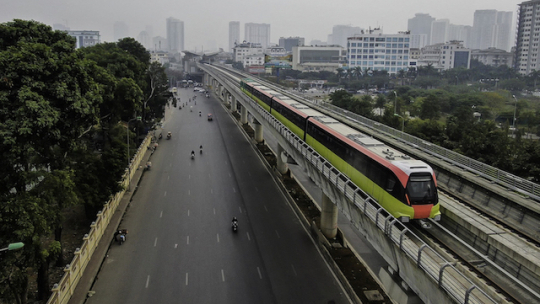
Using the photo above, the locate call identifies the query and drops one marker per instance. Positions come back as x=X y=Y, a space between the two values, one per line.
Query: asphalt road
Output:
x=180 y=247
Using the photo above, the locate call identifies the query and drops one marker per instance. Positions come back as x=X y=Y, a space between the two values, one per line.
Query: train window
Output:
x=360 y=161
x=390 y=183
x=421 y=189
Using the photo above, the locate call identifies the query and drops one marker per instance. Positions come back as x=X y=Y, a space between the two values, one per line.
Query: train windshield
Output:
x=421 y=189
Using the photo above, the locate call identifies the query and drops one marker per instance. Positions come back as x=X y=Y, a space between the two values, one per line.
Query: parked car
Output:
x=210 y=116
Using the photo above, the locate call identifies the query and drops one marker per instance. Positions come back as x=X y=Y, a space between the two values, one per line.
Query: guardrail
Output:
x=63 y=290
x=362 y=207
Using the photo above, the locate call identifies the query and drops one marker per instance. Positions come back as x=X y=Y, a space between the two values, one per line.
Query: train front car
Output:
x=421 y=189
x=405 y=187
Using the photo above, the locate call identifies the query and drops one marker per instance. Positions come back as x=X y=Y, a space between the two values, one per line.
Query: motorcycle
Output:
x=160 y=136
x=200 y=151
x=148 y=166
x=120 y=236
x=169 y=135
x=199 y=113
x=235 y=226
x=192 y=154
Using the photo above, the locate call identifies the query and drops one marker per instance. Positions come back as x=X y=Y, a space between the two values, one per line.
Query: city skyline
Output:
x=206 y=22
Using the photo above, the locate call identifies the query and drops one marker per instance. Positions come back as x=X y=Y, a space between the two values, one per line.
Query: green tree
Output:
x=158 y=95
x=401 y=74
x=341 y=98
x=363 y=107
x=430 y=108
x=49 y=101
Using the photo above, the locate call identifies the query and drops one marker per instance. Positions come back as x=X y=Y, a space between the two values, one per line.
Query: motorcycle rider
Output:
x=192 y=154
x=200 y=149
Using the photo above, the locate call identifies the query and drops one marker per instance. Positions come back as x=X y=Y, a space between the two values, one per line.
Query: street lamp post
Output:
x=514 y=121
x=128 y=159
x=395 y=102
x=13 y=246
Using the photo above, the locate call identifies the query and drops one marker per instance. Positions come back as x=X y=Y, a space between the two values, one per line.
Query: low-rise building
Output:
x=445 y=56
x=288 y=43
x=159 y=56
x=85 y=38
x=249 y=54
x=493 y=57
x=377 y=51
x=318 y=58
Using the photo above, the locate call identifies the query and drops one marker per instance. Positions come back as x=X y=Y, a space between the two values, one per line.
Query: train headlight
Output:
x=404 y=219
x=437 y=217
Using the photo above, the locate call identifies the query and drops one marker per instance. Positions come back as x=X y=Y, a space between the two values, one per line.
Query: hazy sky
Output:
x=207 y=20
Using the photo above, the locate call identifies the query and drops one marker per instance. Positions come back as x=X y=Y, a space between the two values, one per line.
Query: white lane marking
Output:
x=240 y=208
x=212 y=191
x=259 y=271
x=234 y=190
x=189 y=192
x=214 y=211
x=161 y=214
x=165 y=193
x=189 y=176
x=147 y=281
x=229 y=175
x=168 y=177
x=170 y=165
x=175 y=246
x=188 y=239
x=278 y=234
x=218 y=237
x=265 y=208
x=188 y=212
x=249 y=239
x=294 y=270
x=186 y=278
x=155 y=242
x=222 y=275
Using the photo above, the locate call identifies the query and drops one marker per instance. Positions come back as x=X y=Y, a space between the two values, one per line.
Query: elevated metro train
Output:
x=405 y=187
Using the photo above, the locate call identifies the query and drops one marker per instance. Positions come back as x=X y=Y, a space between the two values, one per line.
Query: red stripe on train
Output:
x=422 y=211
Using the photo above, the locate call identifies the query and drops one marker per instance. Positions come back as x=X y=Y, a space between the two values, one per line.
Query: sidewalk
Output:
x=92 y=268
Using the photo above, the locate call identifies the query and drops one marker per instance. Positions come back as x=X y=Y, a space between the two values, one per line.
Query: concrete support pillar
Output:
x=243 y=115
x=281 y=161
x=329 y=218
x=220 y=92
x=258 y=131
x=233 y=104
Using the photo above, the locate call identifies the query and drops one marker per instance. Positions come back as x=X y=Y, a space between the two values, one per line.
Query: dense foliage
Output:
x=62 y=138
